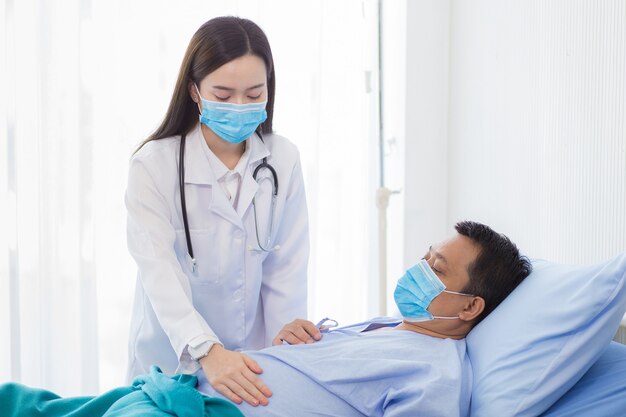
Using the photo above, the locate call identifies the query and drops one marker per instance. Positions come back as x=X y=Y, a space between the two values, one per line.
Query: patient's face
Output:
x=450 y=261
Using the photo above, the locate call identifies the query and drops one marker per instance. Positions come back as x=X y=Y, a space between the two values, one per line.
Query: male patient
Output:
x=412 y=367
x=416 y=366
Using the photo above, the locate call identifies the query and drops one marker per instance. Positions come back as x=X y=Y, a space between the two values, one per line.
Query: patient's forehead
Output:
x=458 y=252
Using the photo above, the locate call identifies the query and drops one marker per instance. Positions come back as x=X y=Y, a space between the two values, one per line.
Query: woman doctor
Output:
x=242 y=274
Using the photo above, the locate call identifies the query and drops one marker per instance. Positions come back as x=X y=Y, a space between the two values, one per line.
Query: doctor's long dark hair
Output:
x=217 y=42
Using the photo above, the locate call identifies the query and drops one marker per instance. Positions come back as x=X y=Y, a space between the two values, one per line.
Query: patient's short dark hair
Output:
x=498 y=269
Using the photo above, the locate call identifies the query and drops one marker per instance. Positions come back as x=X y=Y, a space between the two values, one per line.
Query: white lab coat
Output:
x=238 y=295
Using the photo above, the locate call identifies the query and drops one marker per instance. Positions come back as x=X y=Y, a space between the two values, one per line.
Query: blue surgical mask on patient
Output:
x=416 y=290
x=232 y=122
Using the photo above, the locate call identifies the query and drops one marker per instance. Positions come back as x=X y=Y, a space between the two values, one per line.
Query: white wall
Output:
x=537 y=137
x=393 y=98
x=515 y=116
x=415 y=100
x=426 y=172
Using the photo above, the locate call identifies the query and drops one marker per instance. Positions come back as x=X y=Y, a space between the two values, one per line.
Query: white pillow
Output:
x=540 y=341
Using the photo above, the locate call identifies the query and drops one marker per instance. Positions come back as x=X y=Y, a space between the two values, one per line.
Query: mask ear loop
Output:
x=452 y=317
x=459 y=293
x=199 y=102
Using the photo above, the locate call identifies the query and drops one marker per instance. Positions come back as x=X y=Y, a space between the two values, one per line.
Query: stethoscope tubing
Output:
x=183 y=205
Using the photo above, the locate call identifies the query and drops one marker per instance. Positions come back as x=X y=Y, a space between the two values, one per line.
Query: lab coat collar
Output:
x=198 y=171
x=249 y=187
x=258 y=149
x=197 y=167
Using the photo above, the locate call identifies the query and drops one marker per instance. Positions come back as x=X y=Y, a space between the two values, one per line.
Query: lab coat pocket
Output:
x=206 y=253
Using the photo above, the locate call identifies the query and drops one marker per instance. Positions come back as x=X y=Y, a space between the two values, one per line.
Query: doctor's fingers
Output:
x=290 y=333
x=226 y=392
x=251 y=389
x=295 y=337
x=278 y=339
x=254 y=367
x=302 y=330
x=287 y=336
x=311 y=329
x=238 y=388
x=243 y=386
x=251 y=364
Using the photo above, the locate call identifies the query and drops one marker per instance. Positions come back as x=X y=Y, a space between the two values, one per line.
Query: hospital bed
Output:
x=545 y=351
x=600 y=392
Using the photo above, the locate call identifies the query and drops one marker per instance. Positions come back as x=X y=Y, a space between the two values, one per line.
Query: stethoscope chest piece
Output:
x=265 y=246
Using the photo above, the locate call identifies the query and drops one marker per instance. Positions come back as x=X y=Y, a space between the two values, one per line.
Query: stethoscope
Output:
x=273 y=179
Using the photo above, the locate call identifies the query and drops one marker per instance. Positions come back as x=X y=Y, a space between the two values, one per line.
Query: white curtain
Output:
x=81 y=83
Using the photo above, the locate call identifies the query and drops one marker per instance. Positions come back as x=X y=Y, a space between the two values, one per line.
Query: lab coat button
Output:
x=237 y=295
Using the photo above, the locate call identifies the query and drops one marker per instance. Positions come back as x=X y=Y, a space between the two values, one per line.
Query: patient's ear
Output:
x=474 y=307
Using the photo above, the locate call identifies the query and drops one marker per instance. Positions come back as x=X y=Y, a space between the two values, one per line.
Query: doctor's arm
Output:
x=151 y=240
x=284 y=288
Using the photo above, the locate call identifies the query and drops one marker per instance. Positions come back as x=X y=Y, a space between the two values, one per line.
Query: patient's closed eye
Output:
x=427 y=254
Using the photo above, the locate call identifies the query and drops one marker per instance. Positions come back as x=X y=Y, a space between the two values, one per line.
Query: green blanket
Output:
x=154 y=394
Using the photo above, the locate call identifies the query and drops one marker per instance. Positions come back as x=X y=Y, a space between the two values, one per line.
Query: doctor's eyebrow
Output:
x=220 y=87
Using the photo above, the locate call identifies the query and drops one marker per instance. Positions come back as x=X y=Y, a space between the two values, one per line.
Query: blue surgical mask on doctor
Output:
x=417 y=289
x=232 y=122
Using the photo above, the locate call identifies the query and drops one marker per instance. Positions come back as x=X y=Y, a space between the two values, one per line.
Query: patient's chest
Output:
x=352 y=374
x=371 y=371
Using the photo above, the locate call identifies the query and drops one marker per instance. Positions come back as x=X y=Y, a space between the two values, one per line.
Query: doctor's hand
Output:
x=298 y=332
x=233 y=374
